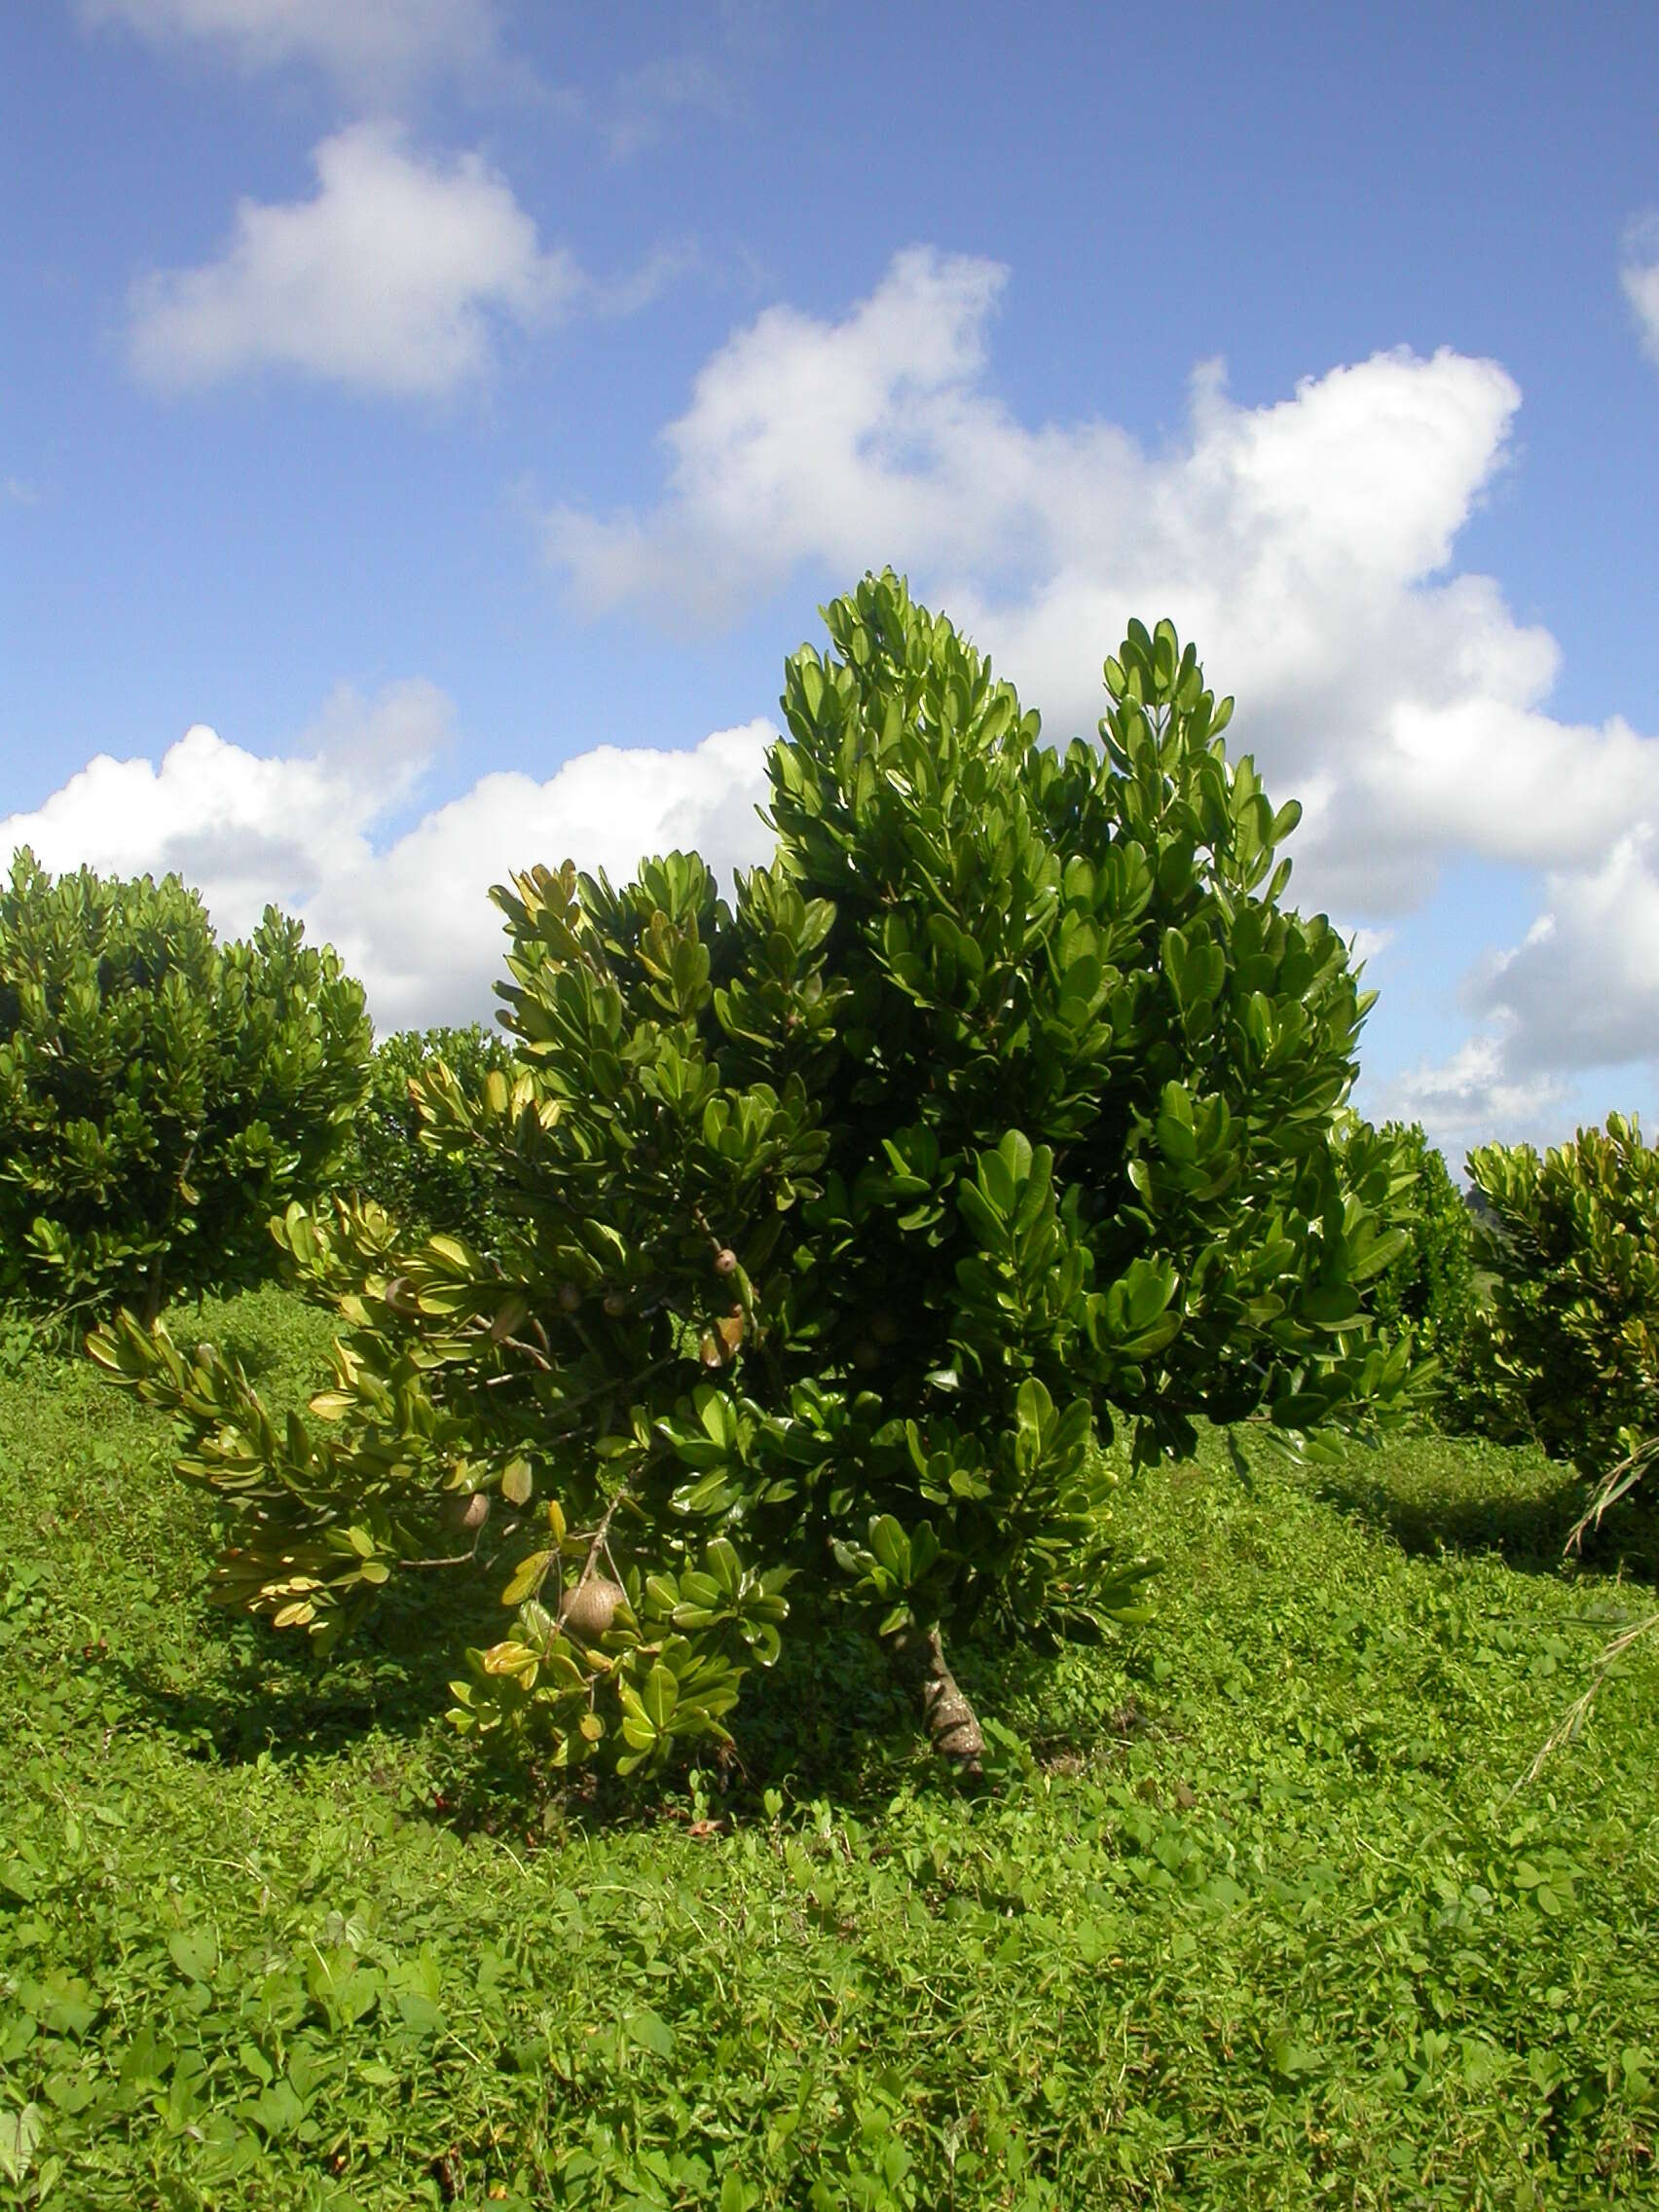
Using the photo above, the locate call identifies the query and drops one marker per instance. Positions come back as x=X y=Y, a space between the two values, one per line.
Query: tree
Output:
x=848 y=1219
x=1572 y=1333
x=160 y=1096
x=1430 y=1290
x=398 y=1160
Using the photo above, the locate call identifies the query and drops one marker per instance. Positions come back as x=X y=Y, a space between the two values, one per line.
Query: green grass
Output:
x=1255 y=1915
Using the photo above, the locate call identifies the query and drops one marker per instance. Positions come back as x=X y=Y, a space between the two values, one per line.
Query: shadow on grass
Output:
x=1527 y=1528
x=251 y=1351
x=828 y=1722
x=834 y=1721
x=270 y=1696
x=831 y=1721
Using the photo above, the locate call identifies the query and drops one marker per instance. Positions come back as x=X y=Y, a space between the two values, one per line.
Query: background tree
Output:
x=160 y=1096
x=845 y=1221
x=397 y=1160
x=1432 y=1290
x=1571 y=1335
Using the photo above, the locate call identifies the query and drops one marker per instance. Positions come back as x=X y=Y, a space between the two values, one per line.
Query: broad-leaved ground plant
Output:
x=161 y=1095
x=847 y=1220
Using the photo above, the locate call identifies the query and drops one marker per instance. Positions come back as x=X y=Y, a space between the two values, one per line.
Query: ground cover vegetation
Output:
x=837 y=1228
x=161 y=1095
x=1251 y=1913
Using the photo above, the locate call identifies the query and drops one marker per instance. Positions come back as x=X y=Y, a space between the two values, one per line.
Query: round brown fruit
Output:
x=589 y=1609
x=569 y=1298
x=615 y=1305
x=464 y=1512
x=725 y=1260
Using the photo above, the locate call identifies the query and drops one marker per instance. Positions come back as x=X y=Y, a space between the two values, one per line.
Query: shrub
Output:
x=1431 y=1290
x=1573 y=1332
x=399 y=1160
x=847 y=1220
x=159 y=1095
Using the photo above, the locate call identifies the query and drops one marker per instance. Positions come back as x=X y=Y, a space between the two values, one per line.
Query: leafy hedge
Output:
x=400 y=1161
x=161 y=1096
x=1573 y=1332
x=1431 y=1291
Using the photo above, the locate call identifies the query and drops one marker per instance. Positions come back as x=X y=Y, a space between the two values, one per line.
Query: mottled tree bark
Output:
x=952 y=1723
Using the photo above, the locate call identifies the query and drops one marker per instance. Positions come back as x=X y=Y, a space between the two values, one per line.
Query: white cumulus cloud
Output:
x=1639 y=274
x=411 y=917
x=394 y=277
x=373 y=46
x=1475 y=1097
x=1307 y=545
x=807 y=440
x=1583 y=987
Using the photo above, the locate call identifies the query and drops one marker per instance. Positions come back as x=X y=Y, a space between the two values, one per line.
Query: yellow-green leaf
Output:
x=528 y=1578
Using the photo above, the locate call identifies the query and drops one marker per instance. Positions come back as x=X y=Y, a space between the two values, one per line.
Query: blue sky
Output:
x=450 y=415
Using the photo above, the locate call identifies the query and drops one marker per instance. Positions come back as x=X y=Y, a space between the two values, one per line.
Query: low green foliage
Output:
x=1254 y=1915
x=837 y=1226
x=400 y=1161
x=161 y=1095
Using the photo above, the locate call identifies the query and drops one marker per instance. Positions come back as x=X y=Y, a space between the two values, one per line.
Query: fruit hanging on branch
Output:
x=588 y=1608
x=465 y=1514
x=1006 y=1106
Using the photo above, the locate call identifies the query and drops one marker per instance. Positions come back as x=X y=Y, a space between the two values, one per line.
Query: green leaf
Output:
x=659 y=1694
x=891 y=1547
x=715 y=1412
x=988 y=1224
x=195 y=1952
x=1330 y=1305
x=724 y=1565
x=528 y=1577
x=21 y=2129
x=649 y=2031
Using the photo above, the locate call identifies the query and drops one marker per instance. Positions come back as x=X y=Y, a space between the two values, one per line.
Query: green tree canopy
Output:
x=398 y=1159
x=1572 y=1334
x=849 y=1218
x=1430 y=1290
x=161 y=1095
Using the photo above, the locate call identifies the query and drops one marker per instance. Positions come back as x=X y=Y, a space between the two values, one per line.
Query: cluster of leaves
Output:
x=1573 y=1332
x=161 y=1095
x=400 y=1161
x=840 y=1224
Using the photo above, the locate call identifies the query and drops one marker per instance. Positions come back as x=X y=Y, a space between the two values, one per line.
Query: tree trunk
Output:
x=952 y=1723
